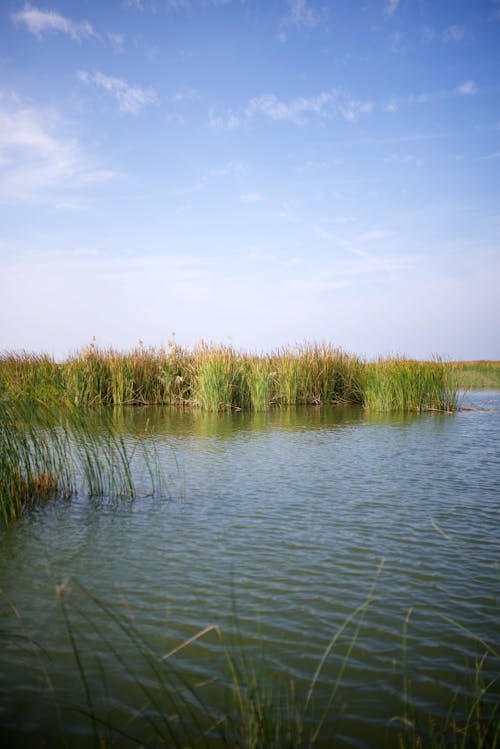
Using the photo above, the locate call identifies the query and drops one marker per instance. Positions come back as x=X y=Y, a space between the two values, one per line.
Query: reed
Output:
x=46 y=453
x=478 y=375
x=405 y=385
x=215 y=377
x=219 y=378
x=262 y=706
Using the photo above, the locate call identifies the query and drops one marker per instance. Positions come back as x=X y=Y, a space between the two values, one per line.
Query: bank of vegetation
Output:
x=478 y=375
x=218 y=378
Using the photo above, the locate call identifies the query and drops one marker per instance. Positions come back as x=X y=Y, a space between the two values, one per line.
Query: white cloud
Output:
x=117 y=41
x=351 y=109
x=228 y=121
x=231 y=168
x=40 y=22
x=252 y=197
x=130 y=99
x=398 y=42
x=427 y=34
x=186 y=95
x=300 y=13
x=403 y=158
x=38 y=163
x=467 y=88
x=421 y=98
x=489 y=157
x=454 y=34
x=391 y=7
x=325 y=104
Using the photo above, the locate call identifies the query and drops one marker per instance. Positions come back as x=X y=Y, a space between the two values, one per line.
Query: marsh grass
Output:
x=219 y=378
x=47 y=452
x=478 y=375
x=405 y=385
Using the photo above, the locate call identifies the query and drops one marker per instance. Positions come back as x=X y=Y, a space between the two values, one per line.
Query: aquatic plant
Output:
x=219 y=378
x=400 y=384
x=478 y=375
x=250 y=701
x=47 y=453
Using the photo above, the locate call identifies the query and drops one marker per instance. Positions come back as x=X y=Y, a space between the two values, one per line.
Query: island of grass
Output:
x=219 y=378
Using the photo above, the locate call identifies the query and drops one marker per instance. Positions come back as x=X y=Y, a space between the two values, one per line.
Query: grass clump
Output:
x=46 y=453
x=405 y=385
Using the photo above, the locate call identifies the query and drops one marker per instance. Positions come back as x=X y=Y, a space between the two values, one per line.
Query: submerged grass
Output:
x=219 y=378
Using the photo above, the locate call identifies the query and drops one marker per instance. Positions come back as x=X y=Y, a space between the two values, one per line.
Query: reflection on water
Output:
x=282 y=518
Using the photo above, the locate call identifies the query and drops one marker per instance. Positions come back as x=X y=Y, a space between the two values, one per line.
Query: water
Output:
x=274 y=525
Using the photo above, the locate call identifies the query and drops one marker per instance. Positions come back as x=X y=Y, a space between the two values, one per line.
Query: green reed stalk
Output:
x=46 y=453
x=219 y=378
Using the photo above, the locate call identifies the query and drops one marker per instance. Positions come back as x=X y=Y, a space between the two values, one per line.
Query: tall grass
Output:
x=478 y=375
x=219 y=378
x=400 y=384
x=47 y=453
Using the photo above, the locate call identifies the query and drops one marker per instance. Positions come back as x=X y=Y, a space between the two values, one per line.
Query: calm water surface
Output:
x=278 y=522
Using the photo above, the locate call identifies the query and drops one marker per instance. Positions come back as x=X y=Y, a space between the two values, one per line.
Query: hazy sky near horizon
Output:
x=254 y=172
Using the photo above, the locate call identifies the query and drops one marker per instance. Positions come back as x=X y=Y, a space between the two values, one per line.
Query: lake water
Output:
x=274 y=525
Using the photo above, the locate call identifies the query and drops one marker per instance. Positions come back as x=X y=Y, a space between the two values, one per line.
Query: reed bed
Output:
x=405 y=385
x=220 y=378
x=478 y=375
x=47 y=453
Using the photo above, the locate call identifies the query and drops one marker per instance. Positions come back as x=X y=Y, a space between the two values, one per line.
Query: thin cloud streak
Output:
x=39 y=164
x=40 y=22
x=131 y=99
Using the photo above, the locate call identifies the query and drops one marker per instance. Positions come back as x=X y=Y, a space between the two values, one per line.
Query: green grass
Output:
x=478 y=375
x=220 y=378
x=47 y=452
x=405 y=385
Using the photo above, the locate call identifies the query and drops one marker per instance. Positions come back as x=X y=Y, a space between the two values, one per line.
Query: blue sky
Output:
x=251 y=172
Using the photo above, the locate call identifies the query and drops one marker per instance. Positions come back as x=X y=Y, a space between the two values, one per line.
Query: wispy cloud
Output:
x=252 y=197
x=398 y=42
x=467 y=88
x=403 y=158
x=186 y=95
x=227 y=121
x=454 y=34
x=427 y=34
x=39 y=164
x=300 y=14
x=40 y=22
x=231 y=168
x=130 y=99
x=489 y=157
x=324 y=104
x=117 y=41
x=391 y=7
